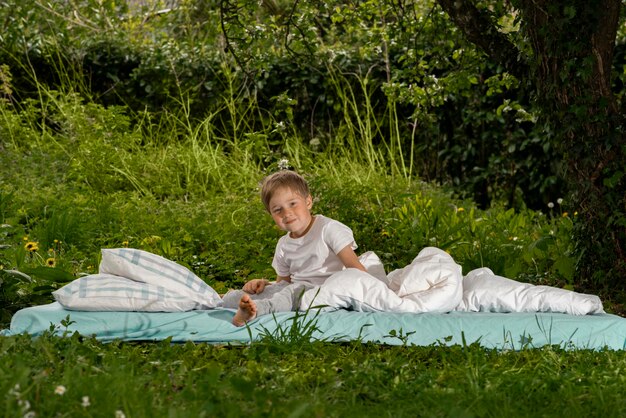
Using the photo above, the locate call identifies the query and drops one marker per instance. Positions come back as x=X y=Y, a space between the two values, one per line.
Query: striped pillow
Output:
x=105 y=292
x=155 y=270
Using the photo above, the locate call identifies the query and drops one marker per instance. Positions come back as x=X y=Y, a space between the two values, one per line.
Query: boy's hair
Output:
x=283 y=178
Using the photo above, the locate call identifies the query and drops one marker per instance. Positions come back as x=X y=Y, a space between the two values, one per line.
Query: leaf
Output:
x=43 y=290
x=242 y=385
x=50 y=273
x=542 y=243
x=19 y=275
x=445 y=245
x=565 y=266
x=614 y=179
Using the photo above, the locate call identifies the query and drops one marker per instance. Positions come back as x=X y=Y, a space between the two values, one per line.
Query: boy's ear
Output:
x=309 y=201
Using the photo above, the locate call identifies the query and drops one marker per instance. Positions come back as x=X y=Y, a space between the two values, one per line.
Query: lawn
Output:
x=79 y=376
x=120 y=139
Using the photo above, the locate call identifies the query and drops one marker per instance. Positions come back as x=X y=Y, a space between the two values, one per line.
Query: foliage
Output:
x=122 y=126
x=81 y=376
x=176 y=177
x=99 y=181
x=571 y=79
x=456 y=117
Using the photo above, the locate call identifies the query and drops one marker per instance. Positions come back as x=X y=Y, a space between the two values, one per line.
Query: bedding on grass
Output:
x=504 y=331
x=140 y=296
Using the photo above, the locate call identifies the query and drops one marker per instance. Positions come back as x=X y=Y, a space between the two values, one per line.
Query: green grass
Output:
x=90 y=177
x=316 y=379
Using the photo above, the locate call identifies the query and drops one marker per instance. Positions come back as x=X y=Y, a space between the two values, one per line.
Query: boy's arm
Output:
x=281 y=278
x=256 y=286
x=349 y=258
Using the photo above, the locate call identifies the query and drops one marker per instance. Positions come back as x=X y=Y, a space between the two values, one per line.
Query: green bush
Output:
x=194 y=200
x=455 y=116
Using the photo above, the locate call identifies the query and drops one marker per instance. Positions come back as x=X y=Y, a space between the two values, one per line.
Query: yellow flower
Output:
x=31 y=246
x=25 y=238
x=125 y=244
x=51 y=262
x=565 y=214
x=460 y=210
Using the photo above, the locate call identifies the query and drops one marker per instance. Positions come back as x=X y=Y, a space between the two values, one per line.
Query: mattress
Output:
x=503 y=331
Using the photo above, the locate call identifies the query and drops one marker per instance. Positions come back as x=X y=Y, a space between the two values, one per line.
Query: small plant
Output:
x=400 y=335
x=295 y=332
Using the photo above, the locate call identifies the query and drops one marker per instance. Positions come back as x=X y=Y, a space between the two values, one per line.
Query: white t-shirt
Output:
x=312 y=258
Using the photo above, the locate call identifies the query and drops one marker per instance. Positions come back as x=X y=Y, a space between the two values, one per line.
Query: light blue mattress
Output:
x=491 y=330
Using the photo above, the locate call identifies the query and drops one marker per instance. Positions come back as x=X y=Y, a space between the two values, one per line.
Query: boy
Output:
x=314 y=248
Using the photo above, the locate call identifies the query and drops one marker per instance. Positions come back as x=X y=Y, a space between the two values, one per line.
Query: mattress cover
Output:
x=504 y=331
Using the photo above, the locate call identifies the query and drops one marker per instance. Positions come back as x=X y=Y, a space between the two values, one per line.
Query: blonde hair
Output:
x=280 y=179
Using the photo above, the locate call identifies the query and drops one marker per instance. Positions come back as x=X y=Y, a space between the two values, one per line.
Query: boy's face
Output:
x=291 y=212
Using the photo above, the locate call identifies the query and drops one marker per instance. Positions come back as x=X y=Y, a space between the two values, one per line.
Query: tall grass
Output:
x=185 y=186
x=361 y=135
x=157 y=160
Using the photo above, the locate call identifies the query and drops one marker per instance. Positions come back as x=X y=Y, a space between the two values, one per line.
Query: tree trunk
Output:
x=572 y=46
x=573 y=49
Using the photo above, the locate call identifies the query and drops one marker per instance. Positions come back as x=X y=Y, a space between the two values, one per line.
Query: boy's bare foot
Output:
x=246 y=311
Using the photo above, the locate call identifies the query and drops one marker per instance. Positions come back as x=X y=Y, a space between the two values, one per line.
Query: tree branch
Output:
x=482 y=32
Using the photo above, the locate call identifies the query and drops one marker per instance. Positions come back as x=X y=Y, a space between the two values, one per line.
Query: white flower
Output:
x=315 y=143
x=550 y=205
x=559 y=200
x=283 y=164
x=60 y=390
x=25 y=405
x=15 y=391
x=30 y=414
x=119 y=414
x=85 y=403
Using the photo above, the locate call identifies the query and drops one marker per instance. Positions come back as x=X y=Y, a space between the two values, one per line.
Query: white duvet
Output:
x=135 y=280
x=433 y=282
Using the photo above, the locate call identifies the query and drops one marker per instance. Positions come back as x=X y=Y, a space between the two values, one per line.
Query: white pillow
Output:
x=155 y=270
x=105 y=292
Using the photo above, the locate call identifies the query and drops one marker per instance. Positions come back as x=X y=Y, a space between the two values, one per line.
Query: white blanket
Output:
x=135 y=280
x=433 y=282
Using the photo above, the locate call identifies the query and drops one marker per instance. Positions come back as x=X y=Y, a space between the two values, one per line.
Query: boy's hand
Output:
x=255 y=286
